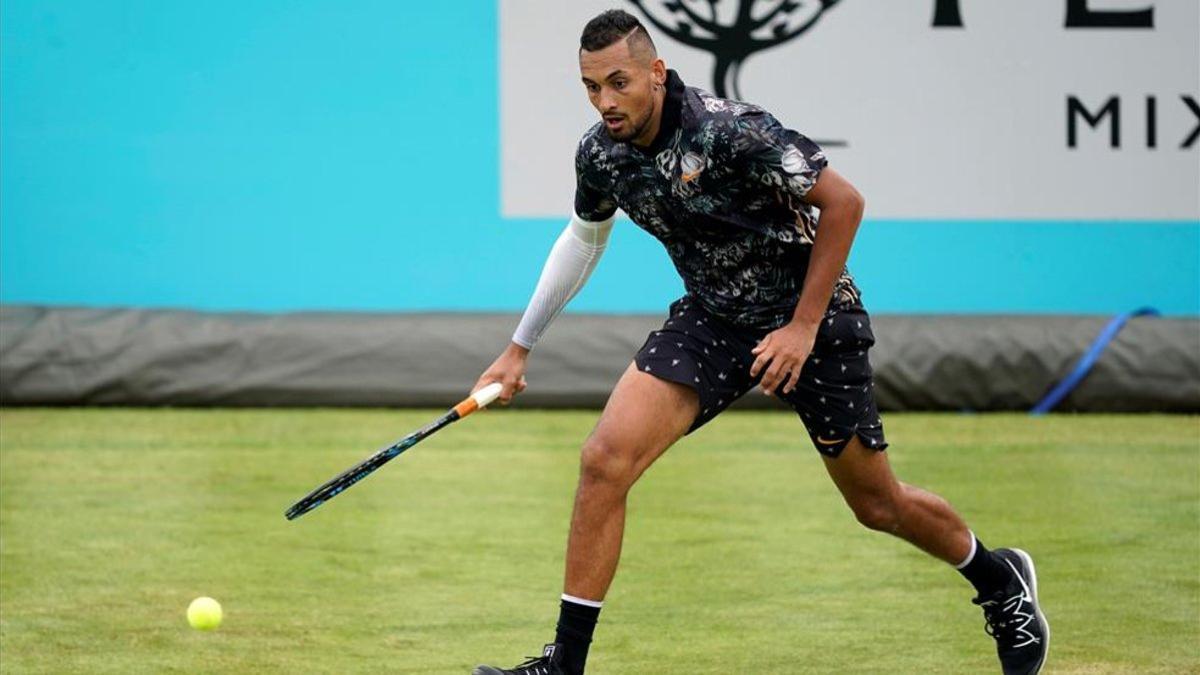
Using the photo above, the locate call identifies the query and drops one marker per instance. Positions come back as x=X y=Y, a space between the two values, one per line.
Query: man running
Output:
x=730 y=192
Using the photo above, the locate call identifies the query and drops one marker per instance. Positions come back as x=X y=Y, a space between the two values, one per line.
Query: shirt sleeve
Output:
x=592 y=202
x=773 y=155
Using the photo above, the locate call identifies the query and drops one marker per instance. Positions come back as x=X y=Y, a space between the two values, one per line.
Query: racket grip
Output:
x=480 y=399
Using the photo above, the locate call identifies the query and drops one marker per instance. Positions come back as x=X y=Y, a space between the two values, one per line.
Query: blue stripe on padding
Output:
x=1085 y=364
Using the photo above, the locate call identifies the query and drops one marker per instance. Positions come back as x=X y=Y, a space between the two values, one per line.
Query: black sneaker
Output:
x=1014 y=618
x=546 y=664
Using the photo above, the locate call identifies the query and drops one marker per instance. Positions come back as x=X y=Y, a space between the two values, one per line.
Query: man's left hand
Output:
x=782 y=353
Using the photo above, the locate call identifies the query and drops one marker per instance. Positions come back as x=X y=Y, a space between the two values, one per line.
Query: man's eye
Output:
x=619 y=84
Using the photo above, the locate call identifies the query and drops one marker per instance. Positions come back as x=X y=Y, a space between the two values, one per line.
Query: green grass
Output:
x=739 y=556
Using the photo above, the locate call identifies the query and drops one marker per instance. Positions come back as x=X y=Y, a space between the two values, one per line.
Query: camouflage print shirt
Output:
x=722 y=187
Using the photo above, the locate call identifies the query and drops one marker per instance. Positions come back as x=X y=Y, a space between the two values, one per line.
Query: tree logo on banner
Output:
x=733 y=30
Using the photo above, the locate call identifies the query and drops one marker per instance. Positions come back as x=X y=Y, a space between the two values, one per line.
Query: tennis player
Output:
x=731 y=194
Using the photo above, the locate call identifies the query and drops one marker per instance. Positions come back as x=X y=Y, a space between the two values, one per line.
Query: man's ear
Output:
x=659 y=70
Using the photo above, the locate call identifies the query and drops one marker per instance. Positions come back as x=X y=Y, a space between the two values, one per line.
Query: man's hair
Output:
x=612 y=26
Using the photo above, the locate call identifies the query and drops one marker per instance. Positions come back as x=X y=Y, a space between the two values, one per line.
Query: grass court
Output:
x=739 y=555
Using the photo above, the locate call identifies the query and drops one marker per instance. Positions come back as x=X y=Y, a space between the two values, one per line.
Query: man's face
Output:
x=621 y=87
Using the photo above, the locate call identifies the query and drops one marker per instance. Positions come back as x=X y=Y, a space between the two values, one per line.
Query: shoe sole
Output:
x=1027 y=561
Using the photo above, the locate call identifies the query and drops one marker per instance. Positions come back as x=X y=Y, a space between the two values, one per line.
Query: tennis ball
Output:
x=204 y=614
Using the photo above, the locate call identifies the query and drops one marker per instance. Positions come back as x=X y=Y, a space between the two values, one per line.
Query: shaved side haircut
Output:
x=613 y=26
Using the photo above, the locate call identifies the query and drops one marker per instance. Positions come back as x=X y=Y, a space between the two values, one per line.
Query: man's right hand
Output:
x=509 y=370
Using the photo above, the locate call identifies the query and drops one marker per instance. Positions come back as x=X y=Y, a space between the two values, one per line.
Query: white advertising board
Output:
x=935 y=109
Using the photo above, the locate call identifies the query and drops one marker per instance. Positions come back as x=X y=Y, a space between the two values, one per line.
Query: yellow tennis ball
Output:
x=204 y=614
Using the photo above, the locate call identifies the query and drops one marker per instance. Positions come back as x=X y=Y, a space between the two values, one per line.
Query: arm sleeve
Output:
x=773 y=155
x=567 y=269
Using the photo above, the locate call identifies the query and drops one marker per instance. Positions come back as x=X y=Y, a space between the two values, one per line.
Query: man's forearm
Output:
x=836 y=228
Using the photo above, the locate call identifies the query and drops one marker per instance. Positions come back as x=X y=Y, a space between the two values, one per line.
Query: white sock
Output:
x=580 y=601
x=970 y=554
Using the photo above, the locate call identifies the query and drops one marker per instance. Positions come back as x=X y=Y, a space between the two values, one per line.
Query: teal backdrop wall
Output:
x=344 y=155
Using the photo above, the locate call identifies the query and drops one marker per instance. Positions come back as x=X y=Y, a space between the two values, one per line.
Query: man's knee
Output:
x=605 y=463
x=879 y=512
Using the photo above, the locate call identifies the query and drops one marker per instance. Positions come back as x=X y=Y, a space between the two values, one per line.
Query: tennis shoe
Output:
x=1014 y=618
x=549 y=663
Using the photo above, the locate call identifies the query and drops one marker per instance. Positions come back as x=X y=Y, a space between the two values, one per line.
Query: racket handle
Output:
x=480 y=399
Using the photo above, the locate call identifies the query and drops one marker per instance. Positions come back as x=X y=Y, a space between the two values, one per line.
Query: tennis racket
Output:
x=480 y=399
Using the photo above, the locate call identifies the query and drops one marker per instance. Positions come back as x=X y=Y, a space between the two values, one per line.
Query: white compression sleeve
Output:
x=567 y=268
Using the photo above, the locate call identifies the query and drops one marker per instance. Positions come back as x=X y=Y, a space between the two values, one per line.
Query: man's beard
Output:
x=633 y=131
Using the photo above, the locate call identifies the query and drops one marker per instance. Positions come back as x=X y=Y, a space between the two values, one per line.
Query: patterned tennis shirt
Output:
x=722 y=186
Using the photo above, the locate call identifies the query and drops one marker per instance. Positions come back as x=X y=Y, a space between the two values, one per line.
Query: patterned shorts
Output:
x=834 y=397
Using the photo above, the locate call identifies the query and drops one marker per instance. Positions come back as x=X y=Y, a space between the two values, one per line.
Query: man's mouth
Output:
x=613 y=122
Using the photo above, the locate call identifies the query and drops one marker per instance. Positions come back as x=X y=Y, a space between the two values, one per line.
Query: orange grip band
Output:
x=466 y=407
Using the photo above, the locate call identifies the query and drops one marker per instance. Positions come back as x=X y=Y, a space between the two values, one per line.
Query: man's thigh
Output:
x=644 y=416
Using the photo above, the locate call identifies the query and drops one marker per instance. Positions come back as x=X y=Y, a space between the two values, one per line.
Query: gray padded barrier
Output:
x=76 y=356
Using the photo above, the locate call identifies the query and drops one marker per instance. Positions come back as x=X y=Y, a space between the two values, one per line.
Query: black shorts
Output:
x=834 y=397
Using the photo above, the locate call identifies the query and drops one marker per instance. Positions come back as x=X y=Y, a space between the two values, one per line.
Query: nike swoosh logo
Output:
x=835 y=441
